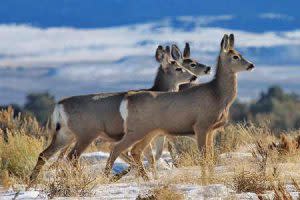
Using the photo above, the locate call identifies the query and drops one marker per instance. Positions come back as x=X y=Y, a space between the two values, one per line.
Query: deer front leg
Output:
x=201 y=137
x=210 y=143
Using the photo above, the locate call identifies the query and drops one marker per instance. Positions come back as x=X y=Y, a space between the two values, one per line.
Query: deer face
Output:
x=180 y=73
x=189 y=63
x=232 y=60
x=173 y=69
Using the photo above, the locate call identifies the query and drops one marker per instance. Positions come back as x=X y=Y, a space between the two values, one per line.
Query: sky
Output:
x=99 y=46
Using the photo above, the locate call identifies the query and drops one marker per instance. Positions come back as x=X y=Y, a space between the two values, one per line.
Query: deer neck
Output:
x=225 y=85
x=163 y=83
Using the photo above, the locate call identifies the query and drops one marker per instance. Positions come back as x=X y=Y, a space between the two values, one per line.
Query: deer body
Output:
x=195 y=111
x=182 y=109
x=87 y=117
x=99 y=113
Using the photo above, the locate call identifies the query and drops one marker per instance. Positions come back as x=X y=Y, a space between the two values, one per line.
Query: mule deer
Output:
x=159 y=142
x=84 y=118
x=192 y=65
x=196 y=111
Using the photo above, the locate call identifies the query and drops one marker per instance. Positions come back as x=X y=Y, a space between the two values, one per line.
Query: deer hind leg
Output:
x=63 y=152
x=79 y=147
x=61 y=155
x=136 y=153
x=120 y=147
x=159 y=146
x=60 y=139
x=124 y=156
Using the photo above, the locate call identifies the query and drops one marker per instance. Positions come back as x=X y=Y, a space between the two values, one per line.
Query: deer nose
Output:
x=250 y=67
x=193 y=78
x=207 y=70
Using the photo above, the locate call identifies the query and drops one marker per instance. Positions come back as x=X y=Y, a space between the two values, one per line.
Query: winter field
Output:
x=54 y=49
x=250 y=162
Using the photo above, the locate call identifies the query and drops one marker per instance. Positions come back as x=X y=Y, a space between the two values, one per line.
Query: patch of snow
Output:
x=247 y=196
x=98 y=160
x=23 y=195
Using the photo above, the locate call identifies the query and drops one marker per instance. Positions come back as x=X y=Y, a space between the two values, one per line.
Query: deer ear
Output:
x=176 y=53
x=224 y=43
x=231 y=41
x=187 y=50
x=159 y=54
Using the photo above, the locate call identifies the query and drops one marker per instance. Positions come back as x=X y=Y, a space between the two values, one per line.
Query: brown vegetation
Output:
x=162 y=193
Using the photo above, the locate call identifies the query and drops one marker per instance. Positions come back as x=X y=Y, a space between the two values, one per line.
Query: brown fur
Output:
x=98 y=115
x=195 y=111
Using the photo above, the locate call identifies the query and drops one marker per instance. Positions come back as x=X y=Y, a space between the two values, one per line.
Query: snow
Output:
x=130 y=187
x=23 y=195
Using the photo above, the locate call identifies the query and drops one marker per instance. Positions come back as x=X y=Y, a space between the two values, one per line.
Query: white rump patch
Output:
x=59 y=116
x=124 y=109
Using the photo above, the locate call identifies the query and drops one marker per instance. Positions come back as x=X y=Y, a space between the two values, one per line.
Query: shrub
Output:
x=247 y=181
x=70 y=181
x=20 y=144
x=19 y=154
x=162 y=193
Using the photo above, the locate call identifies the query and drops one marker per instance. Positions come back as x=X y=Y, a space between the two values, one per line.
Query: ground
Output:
x=130 y=187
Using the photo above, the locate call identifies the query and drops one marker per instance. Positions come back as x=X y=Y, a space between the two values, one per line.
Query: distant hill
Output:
x=106 y=13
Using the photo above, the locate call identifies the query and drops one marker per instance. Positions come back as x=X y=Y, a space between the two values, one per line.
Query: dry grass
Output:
x=280 y=192
x=27 y=124
x=20 y=144
x=19 y=154
x=266 y=166
x=247 y=181
x=67 y=180
x=240 y=135
x=22 y=141
x=162 y=193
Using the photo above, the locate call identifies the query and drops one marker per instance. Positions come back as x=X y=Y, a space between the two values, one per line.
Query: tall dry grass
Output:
x=165 y=192
x=21 y=142
x=270 y=155
x=65 y=179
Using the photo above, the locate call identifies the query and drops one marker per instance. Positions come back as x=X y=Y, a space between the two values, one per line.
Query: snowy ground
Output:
x=129 y=189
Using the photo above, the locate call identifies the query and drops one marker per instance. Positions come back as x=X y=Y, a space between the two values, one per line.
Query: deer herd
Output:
x=174 y=106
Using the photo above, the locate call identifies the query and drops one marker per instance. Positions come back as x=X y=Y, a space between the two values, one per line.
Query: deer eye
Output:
x=173 y=62
x=235 y=57
x=178 y=69
x=193 y=65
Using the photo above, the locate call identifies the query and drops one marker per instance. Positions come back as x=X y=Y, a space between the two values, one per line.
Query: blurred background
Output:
x=50 y=49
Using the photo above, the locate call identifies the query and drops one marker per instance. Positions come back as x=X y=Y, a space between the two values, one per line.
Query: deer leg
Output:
x=60 y=139
x=136 y=153
x=79 y=147
x=148 y=153
x=121 y=146
x=124 y=156
x=63 y=153
x=209 y=143
x=159 y=147
x=201 y=135
x=60 y=155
